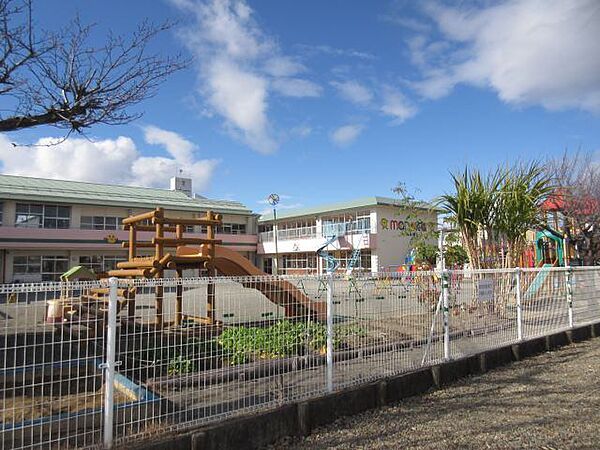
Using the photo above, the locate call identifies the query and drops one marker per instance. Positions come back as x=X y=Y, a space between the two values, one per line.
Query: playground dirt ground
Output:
x=551 y=401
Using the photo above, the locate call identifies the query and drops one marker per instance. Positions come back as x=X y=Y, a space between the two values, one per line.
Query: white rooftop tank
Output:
x=182 y=184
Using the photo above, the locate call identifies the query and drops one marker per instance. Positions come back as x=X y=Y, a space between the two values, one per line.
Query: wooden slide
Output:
x=283 y=293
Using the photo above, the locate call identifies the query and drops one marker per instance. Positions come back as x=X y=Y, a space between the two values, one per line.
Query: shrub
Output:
x=180 y=365
x=285 y=338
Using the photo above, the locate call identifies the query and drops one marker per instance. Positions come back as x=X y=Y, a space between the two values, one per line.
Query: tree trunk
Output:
x=51 y=117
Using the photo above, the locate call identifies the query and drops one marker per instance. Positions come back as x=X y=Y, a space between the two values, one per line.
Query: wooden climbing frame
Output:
x=182 y=258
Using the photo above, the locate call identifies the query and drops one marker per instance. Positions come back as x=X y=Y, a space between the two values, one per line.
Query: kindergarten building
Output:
x=48 y=226
x=383 y=229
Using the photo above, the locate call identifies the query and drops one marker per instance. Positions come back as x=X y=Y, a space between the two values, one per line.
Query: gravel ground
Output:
x=551 y=401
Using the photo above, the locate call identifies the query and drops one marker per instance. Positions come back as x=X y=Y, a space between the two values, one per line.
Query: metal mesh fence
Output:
x=586 y=300
x=231 y=346
x=482 y=311
x=52 y=389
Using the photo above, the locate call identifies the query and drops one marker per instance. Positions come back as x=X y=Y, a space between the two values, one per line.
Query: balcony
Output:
x=310 y=239
x=289 y=234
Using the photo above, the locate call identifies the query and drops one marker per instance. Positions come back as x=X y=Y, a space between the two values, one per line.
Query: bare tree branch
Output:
x=64 y=81
x=578 y=200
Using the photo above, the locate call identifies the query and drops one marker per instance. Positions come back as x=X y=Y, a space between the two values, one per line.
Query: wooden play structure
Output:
x=172 y=250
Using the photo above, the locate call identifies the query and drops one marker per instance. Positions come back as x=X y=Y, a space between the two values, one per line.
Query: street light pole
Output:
x=273 y=201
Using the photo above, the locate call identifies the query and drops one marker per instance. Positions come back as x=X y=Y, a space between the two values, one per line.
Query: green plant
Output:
x=283 y=339
x=455 y=256
x=179 y=365
x=426 y=253
x=494 y=211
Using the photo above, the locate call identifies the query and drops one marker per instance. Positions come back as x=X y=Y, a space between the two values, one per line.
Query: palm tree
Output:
x=471 y=209
x=524 y=189
x=493 y=212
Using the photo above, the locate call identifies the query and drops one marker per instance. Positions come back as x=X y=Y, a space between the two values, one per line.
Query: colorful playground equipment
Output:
x=549 y=248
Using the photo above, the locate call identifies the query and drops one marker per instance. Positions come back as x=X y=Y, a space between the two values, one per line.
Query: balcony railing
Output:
x=339 y=229
x=289 y=234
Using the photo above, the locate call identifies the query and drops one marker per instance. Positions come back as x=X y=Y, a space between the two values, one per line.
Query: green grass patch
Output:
x=283 y=339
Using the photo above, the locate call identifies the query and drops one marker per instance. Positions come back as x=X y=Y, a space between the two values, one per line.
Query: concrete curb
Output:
x=299 y=419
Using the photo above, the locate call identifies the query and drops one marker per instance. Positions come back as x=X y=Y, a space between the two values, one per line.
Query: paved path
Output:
x=551 y=401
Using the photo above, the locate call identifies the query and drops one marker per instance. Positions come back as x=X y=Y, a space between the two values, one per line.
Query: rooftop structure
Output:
x=362 y=202
x=62 y=191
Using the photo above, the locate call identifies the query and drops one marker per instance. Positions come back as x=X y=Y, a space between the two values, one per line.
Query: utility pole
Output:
x=273 y=200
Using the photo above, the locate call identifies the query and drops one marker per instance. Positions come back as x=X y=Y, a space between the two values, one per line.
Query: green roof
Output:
x=341 y=206
x=77 y=192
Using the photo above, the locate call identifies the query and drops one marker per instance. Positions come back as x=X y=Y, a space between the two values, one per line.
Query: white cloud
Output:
x=342 y=52
x=346 y=134
x=283 y=66
x=529 y=51
x=239 y=67
x=116 y=161
x=302 y=131
x=353 y=91
x=296 y=87
x=265 y=201
x=406 y=22
x=241 y=97
x=396 y=105
x=181 y=149
x=283 y=204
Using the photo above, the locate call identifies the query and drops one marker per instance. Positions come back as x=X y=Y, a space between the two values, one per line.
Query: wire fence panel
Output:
x=192 y=351
x=482 y=312
x=586 y=301
x=544 y=300
x=262 y=347
x=384 y=325
x=51 y=347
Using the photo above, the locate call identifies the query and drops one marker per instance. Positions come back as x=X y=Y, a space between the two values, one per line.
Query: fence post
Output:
x=569 y=286
x=330 y=331
x=446 y=308
x=519 y=309
x=109 y=365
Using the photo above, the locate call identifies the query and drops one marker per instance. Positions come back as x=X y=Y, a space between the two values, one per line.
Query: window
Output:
x=357 y=223
x=298 y=229
x=345 y=256
x=53 y=267
x=110 y=262
x=91 y=262
x=300 y=261
x=361 y=224
x=50 y=267
x=30 y=215
x=26 y=264
x=1 y=212
x=56 y=217
x=232 y=228
x=100 y=263
x=227 y=228
x=100 y=222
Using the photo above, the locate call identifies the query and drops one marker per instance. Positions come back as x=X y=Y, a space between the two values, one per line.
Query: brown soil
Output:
x=551 y=401
x=19 y=409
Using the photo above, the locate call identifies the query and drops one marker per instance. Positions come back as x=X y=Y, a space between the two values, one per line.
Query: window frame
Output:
x=50 y=216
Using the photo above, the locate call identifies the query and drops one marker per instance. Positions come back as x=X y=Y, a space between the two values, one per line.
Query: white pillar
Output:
x=329 y=331
x=109 y=365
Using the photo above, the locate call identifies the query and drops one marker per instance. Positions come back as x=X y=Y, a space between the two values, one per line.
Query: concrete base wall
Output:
x=299 y=419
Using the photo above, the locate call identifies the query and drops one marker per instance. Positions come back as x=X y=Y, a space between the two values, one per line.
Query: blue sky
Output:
x=326 y=101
